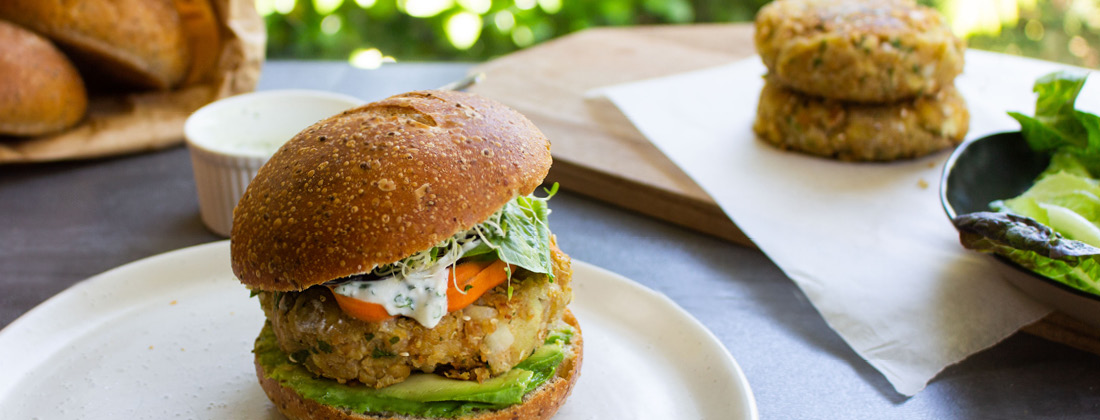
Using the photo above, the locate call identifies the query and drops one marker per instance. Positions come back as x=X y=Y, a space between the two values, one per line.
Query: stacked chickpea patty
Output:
x=866 y=80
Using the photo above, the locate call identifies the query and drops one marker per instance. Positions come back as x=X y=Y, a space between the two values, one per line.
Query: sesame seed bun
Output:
x=380 y=182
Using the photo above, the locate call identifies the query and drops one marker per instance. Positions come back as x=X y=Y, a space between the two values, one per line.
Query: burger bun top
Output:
x=380 y=182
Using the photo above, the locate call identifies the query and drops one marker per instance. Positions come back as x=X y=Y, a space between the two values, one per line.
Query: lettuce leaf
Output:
x=1065 y=162
x=1065 y=196
x=1077 y=193
x=523 y=237
x=527 y=239
x=1033 y=246
x=1057 y=125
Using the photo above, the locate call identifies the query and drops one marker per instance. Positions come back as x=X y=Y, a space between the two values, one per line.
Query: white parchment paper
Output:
x=868 y=243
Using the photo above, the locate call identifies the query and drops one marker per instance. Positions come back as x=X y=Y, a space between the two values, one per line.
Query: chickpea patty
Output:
x=482 y=340
x=858 y=50
x=859 y=132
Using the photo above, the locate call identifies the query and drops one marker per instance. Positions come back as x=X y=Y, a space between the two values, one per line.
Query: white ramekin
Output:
x=231 y=138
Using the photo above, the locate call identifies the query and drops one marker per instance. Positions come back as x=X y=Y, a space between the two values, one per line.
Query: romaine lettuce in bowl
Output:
x=1033 y=198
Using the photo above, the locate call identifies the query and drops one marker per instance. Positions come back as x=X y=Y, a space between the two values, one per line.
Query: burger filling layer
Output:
x=485 y=339
x=423 y=395
x=420 y=294
x=428 y=284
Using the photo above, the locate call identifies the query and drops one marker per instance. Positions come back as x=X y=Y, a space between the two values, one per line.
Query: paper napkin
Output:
x=868 y=243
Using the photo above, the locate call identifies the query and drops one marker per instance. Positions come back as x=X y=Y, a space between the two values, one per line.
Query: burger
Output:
x=405 y=266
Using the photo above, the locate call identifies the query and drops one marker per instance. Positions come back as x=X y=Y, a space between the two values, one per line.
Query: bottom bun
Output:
x=541 y=403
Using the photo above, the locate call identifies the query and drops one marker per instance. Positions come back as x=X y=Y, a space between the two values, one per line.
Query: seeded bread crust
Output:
x=540 y=404
x=41 y=92
x=378 y=183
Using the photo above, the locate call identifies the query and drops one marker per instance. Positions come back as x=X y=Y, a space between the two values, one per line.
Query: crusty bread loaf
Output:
x=40 y=91
x=378 y=183
x=136 y=42
x=540 y=404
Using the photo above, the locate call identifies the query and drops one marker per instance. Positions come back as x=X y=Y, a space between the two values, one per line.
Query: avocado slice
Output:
x=508 y=388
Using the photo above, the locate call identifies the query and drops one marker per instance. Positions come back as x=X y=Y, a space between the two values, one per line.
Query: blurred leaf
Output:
x=298 y=35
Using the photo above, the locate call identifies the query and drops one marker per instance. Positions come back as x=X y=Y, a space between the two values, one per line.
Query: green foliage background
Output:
x=387 y=26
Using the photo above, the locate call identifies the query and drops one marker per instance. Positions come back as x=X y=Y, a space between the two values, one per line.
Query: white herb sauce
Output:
x=420 y=295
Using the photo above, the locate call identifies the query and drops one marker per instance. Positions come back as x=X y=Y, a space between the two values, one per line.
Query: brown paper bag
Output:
x=222 y=65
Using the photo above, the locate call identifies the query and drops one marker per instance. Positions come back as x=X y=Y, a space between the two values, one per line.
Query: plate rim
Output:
x=739 y=378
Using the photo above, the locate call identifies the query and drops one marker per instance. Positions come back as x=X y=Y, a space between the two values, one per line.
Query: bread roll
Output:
x=399 y=175
x=135 y=42
x=40 y=91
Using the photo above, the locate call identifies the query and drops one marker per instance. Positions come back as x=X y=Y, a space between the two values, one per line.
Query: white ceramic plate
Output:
x=170 y=337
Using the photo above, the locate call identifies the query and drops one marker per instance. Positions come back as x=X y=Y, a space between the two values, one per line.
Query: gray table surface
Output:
x=63 y=222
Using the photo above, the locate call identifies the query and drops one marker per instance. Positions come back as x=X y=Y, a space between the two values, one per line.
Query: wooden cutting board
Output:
x=598 y=152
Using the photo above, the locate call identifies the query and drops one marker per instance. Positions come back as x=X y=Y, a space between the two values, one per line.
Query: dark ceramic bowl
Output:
x=997 y=167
